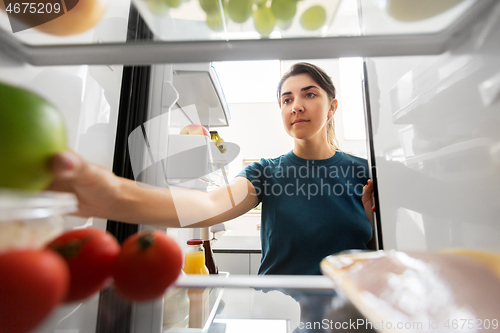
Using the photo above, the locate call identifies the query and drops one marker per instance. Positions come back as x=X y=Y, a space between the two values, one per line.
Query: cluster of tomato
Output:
x=78 y=264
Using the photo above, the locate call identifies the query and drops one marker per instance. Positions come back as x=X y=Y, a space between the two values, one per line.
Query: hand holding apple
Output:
x=195 y=129
x=31 y=131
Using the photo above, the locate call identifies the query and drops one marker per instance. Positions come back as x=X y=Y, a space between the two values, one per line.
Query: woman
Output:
x=315 y=201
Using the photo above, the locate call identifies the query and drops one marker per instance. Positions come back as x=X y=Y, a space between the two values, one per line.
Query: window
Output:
x=351 y=70
x=249 y=81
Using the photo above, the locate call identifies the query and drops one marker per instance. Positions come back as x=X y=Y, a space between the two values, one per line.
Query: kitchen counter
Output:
x=237 y=244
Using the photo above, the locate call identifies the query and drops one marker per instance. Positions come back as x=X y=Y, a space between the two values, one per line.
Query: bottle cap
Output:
x=195 y=241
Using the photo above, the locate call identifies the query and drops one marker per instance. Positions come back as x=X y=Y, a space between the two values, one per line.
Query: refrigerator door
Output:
x=436 y=143
x=88 y=98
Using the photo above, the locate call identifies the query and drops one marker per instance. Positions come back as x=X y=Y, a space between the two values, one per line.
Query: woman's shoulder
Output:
x=274 y=160
x=353 y=159
x=264 y=163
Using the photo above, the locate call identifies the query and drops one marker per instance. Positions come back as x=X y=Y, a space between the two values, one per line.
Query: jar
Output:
x=176 y=308
x=30 y=220
x=194 y=261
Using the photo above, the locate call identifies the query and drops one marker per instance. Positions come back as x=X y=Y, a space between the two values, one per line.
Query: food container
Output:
x=420 y=291
x=30 y=220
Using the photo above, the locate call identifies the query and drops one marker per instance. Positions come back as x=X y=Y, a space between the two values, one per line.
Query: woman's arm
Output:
x=100 y=193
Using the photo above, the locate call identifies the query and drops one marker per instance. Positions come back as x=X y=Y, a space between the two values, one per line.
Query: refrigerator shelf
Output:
x=434 y=83
x=470 y=160
x=308 y=282
x=213 y=299
x=367 y=39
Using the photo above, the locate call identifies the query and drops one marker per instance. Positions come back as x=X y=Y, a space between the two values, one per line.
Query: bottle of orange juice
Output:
x=194 y=262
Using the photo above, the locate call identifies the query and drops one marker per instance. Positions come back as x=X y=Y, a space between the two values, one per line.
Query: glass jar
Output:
x=176 y=308
x=30 y=220
x=194 y=261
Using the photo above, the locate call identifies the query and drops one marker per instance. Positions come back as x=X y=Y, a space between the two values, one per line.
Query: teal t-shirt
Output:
x=310 y=209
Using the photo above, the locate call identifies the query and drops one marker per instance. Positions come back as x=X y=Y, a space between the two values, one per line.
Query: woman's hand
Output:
x=95 y=187
x=367 y=200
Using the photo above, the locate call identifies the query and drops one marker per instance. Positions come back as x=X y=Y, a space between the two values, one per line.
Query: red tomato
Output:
x=148 y=263
x=32 y=284
x=90 y=254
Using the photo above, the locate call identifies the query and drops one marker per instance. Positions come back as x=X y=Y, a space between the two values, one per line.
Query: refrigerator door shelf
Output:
x=351 y=33
x=190 y=162
x=199 y=86
x=187 y=157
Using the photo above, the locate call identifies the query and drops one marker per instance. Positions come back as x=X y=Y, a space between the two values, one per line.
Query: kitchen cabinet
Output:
x=234 y=263
x=255 y=263
x=238 y=254
x=238 y=263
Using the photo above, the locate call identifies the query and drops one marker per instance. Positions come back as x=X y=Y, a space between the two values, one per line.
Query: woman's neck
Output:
x=312 y=151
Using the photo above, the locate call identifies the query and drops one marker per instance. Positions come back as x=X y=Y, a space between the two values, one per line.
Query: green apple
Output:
x=31 y=131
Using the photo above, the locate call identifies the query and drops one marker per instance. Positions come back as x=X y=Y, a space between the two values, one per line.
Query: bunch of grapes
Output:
x=160 y=7
x=266 y=14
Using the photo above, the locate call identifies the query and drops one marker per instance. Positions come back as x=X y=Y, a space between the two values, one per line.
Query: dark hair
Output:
x=316 y=73
x=325 y=82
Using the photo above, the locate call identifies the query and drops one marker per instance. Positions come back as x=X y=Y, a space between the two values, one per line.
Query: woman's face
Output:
x=305 y=107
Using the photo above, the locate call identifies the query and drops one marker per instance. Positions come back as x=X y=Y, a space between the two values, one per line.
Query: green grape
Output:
x=173 y=3
x=313 y=18
x=264 y=20
x=157 y=7
x=284 y=25
x=210 y=6
x=284 y=9
x=239 y=10
x=215 y=22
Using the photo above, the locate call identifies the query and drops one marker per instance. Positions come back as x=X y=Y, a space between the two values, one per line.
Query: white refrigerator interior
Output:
x=434 y=119
x=437 y=144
